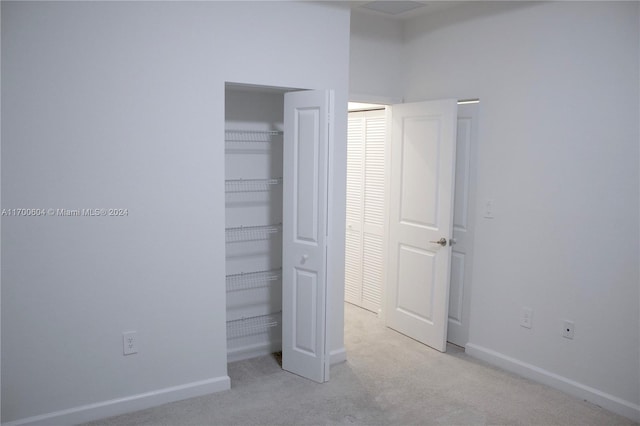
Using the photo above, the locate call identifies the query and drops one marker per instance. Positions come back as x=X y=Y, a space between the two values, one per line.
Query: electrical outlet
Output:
x=129 y=343
x=526 y=319
x=568 y=328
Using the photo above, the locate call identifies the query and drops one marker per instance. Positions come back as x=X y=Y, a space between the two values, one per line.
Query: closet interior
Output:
x=253 y=205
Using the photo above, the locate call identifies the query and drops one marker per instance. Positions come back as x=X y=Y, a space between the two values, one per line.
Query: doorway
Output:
x=365 y=275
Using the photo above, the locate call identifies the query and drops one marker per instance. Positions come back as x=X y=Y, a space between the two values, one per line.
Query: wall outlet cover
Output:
x=526 y=318
x=129 y=343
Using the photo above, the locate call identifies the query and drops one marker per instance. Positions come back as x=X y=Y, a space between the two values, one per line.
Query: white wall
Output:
x=122 y=105
x=559 y=155
x=375 y=66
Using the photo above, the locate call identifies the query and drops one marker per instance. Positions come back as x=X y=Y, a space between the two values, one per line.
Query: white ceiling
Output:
x=400 y=9
x=395 y=8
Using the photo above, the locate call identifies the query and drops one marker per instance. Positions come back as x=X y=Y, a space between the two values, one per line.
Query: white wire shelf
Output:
x=250 y=185
x=250 y=136
x=254 y=325
x=253 y=280
x=251 y=233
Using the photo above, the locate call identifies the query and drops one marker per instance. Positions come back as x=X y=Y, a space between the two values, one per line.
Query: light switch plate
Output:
x=489 y=206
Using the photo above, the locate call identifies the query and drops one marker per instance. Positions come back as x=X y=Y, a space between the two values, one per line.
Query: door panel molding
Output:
x=304 y=233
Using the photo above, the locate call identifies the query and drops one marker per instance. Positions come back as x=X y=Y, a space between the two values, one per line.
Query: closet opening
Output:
x=276 y=201
x=254 y=128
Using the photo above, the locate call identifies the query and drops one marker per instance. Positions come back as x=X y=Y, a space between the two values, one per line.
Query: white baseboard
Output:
x=338 y=356
x=119 y=406
x=335 y=357
x=579 y=390
x=252 y=351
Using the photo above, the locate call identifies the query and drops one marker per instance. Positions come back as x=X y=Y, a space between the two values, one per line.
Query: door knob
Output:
x=304 y=258
x=442 y=241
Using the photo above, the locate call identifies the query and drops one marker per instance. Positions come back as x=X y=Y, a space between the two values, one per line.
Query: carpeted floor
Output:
x=388 y=379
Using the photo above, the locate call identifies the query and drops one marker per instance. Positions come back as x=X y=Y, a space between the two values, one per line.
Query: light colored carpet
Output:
x=388 y=379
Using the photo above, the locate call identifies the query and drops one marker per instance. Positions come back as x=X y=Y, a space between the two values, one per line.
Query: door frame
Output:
x=387 y=102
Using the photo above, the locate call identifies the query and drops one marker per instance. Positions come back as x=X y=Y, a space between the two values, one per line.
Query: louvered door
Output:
x=365 y=208
x=353 y=234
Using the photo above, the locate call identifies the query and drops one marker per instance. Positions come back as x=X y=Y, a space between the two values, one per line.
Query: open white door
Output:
x=306 y=142
x=421 y=215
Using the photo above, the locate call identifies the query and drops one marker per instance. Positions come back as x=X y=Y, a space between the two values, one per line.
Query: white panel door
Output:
x=421 y=213
x=463 y=225
x=304 y=229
